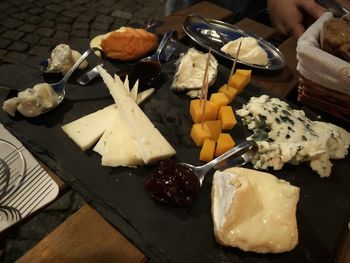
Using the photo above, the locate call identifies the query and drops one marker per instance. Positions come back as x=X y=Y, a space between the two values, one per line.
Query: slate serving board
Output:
x=165 y=233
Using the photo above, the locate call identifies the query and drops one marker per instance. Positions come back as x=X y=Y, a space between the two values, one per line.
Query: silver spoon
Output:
x=148 y=70
x=59 y=87
x=165 y=40
x=242 y=154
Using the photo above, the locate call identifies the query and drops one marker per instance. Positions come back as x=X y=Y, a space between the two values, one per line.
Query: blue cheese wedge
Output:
x=285 y=135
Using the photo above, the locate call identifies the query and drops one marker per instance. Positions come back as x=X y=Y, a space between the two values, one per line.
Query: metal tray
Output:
x=206 y=36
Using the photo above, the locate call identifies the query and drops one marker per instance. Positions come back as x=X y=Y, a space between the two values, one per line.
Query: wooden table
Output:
x=86 y=236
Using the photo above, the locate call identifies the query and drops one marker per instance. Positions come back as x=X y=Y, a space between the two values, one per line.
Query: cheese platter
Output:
x=167 y=233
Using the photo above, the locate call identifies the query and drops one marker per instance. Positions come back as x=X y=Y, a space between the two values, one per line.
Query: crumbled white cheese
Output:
x=63 y=58
x=190 y=73
x=33 y=101
x=285 y=135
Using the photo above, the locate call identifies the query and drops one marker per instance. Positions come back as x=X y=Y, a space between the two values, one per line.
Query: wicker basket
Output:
x=329 y=101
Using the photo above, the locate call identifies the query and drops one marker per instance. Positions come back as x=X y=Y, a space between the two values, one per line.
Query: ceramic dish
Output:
x=206 y=36
x=25 y=186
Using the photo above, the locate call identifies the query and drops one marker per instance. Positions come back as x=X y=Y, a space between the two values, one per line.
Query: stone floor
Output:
x=29 y=29
x=32 y=28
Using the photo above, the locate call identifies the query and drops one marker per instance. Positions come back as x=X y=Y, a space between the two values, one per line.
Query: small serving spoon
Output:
x=148 y=69
x=241 y=154
x=60 y=86
x=179 y=183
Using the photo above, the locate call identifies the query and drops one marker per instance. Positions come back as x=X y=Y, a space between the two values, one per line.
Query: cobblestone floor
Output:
x=32 y=28
x=29 y=29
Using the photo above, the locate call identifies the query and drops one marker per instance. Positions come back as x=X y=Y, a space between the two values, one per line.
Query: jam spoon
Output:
x=148 y=70
x=179 y=183
x=240 y=155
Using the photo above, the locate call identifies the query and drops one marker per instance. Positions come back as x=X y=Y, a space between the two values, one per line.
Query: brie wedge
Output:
x=254 y=211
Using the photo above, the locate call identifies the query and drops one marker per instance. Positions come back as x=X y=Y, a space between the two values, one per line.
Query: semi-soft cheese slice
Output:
x=254 y=211
x=117 y=147
x=150 y=142
x=88 y=129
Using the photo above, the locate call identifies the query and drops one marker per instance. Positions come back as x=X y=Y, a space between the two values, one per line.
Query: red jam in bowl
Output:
x=172 y=183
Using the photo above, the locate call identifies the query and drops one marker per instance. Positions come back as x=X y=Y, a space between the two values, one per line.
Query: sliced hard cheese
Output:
x=150 y=142
x=88 y=129
x=117 y=147
x=134 y=91
x=142 y=96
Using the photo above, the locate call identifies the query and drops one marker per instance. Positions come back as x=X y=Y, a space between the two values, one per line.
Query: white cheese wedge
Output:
x=134 y=91
x=190 y=72
x=142 y=96
x=150 y=142
x=88 y=129
x=117 y=147
x=254 y=211
x=250 y=51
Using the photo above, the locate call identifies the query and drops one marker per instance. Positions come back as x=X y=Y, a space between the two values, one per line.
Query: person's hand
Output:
x=291 y=17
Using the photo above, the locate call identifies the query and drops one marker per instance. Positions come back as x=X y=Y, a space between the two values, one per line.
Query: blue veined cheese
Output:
x=285 y=135
x=63 y=58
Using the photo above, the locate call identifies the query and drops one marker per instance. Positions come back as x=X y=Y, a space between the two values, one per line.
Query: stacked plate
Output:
x=24 y=185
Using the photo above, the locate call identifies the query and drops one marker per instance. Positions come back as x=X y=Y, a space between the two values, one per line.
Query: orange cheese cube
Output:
x=227 y=118
x=200 y=132
x=240 y=79
x=219 y=99
x=207 y=151
x=230 y=92
x=225 y=143
x=196 y=108
x=214 y=128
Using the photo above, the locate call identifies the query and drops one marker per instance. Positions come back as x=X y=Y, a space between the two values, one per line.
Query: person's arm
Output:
x=290 y=17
